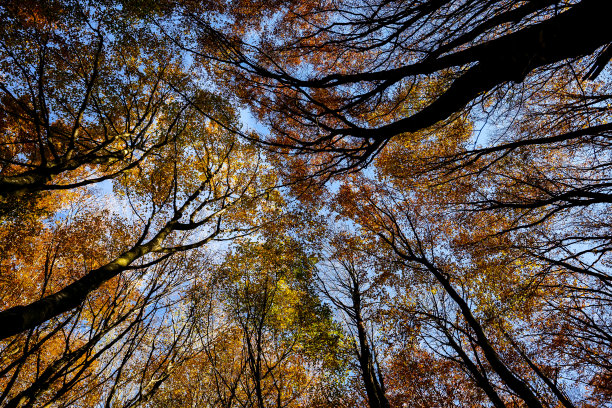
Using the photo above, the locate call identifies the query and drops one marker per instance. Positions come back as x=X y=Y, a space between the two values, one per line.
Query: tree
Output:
x=87 y=355
x=348 y=287
x=267 y=339
x=476 y=297
x=168 y=211
x=82 y=95
x=341 y=79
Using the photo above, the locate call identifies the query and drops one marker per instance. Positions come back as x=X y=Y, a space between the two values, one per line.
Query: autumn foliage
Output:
x=305 y=204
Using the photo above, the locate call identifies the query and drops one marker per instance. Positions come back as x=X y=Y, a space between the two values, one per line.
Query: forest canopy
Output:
x=305 y=204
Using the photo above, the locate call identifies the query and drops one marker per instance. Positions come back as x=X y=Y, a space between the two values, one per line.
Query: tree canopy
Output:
x=305 y=204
